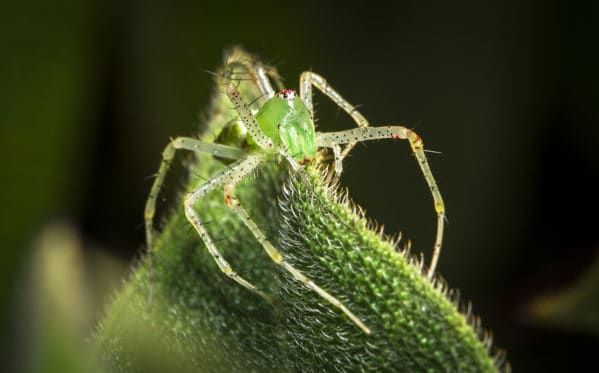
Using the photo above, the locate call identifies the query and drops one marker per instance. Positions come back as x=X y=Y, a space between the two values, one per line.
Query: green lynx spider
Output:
x=283 y=127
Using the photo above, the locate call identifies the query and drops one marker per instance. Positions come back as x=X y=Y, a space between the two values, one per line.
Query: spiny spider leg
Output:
x=233 y=178
x=246 y=116
x=168 y=154
x=332 y=139
x=222 y=178
x=309 y=79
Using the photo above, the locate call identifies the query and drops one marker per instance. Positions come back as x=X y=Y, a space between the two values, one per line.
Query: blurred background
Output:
x=506 y=91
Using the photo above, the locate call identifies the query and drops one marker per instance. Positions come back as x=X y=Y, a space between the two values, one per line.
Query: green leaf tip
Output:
x=179 y=312
x=416 y=325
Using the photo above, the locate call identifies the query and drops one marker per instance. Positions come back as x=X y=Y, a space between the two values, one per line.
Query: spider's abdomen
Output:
x=287 y=122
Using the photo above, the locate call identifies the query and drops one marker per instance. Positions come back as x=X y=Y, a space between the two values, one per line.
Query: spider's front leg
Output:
x=191 y=198
x=232 y=179
x=333 y=139
x=309 y=79
x=245 y=114
x=267 y=149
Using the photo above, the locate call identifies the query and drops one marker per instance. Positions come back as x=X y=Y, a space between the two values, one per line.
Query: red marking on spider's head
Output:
x=288 y=94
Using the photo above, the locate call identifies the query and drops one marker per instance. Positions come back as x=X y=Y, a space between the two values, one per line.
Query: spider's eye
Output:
x=287 y=94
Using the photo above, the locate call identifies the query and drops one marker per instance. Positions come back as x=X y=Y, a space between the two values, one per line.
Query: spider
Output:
x=282 y=128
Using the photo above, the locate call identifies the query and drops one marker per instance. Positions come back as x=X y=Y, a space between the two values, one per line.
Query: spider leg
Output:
x=333 y=139
x=309 y=79
x=244 y=112
x=233 y=178
x=168 y=154
x=194 y=196
x=338 y=160
x=263 y=82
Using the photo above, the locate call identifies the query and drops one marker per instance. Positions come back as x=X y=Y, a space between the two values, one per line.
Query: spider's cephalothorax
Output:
x=285 y=119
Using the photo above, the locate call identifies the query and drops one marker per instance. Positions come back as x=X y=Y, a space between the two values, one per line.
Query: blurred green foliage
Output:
x=574 y=308
x=47 y=96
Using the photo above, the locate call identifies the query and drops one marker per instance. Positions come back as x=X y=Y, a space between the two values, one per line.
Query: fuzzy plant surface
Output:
x=179 y=312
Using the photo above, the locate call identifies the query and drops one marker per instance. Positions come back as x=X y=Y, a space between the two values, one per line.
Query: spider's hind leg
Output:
x=254 y=70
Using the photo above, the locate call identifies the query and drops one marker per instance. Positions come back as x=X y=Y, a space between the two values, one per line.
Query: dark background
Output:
x=507 y=91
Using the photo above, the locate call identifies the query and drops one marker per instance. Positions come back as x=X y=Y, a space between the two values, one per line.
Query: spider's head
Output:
x=289 y=95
